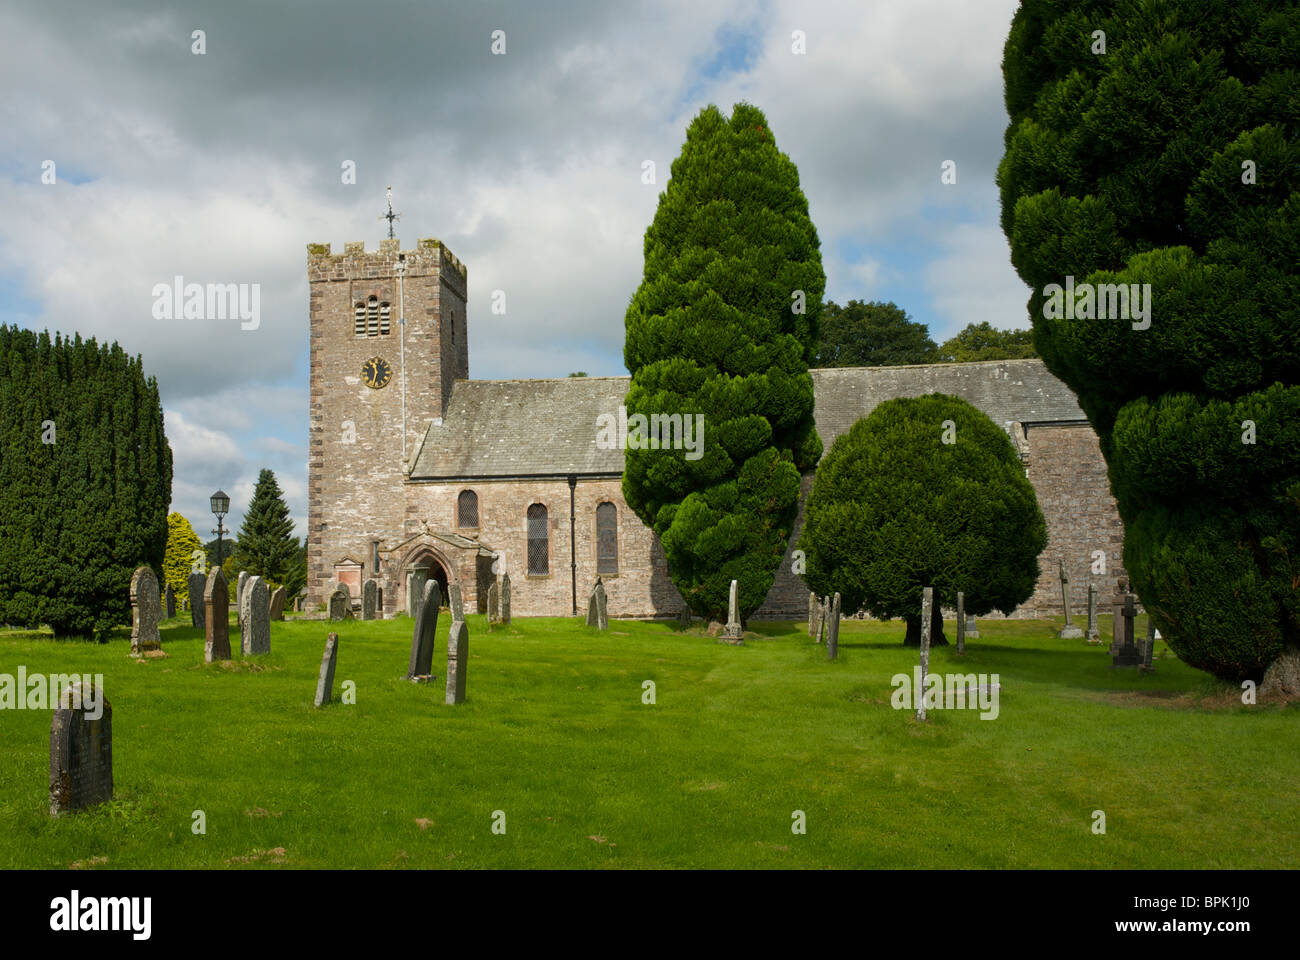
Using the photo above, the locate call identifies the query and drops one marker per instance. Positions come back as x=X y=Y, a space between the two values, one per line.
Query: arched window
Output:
x=606 y=538
x=467 y=509
x=539 y=542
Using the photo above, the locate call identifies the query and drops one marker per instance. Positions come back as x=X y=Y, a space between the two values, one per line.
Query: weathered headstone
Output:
x=814 y=609
x=197 y=582
x=369 y=600
x=1093 y=634
x=340 y=603
x=277 y=603
x=239 y=595
x=833 y=631
x=457 y=661
x=169 y=601
x=494 y=603
x=684 y=618
x=961 y=622
x=255 y=631
x=425 y=633
x=1149 y=648
x=597 y=607
x=927 y=607
x=731 y=633
x=454 y=602
x=216 y=605
x=145 y=611
x=823 y=613
x=972 y=629
x=415 y=581
x=81 y=749
x=505 y=599
x=1069 y=631
x=325 y=682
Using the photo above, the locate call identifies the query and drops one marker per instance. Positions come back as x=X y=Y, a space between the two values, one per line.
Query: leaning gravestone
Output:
x=216 y=606
x=961 y=622
x=369 y=600
x=597 y=609
x=425 y=633
x=457 y=661
x=169 y=601
x=197 y=582
x=277 y=603
x=255 y=631
x=927 y=613
x=494 y=604
x=505 y=599
x=325 y=682
x=239 y=594
x=340 y=603
x=732 y=631
x=833 y=630
x=145 y=611
x=1069 y=631
x=81 y=750
x=415 y=590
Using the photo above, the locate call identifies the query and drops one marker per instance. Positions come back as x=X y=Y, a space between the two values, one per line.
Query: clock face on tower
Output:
x=376 y=372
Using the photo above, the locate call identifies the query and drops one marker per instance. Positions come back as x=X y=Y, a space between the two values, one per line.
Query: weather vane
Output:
x=390 y=216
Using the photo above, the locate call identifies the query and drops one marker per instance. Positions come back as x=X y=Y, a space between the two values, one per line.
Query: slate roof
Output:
x=547 y=428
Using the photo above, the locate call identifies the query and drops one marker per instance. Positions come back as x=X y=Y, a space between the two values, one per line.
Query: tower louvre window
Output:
x=372 y=317
x=359 y=320
x=384 y=311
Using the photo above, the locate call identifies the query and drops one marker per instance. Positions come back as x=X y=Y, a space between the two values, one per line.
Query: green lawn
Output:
x=555 y=734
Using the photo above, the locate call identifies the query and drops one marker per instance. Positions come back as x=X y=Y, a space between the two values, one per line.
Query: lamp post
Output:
x=220 y=507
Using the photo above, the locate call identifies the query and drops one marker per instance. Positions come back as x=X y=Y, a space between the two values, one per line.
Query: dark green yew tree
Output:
x=724 y=325
x=1171 y=159
x=924 y=492
x=85 y=481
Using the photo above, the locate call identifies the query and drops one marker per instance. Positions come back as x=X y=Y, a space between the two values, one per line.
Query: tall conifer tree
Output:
x=266 y=546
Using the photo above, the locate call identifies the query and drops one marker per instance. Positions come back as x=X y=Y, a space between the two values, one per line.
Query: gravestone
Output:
x=961 y=622
x=255 y=631
x=146 y=611
x=169 y=601
x=1123 y=651
x=216 y=606
x=325 y=682
x=415 y=581
x=369 y=600
x=81 y=750
x=505 y=599
x=457 y=661
x=1069 y=631
x=340 y=603
x=454 y=602
x=833 y=629
x=424 y=635
x=1094 y=634
x=927 y=608
x=972 y=631
x=1148 y=648
x=277 y=603
x=239 y=595
x=732 y=631
x=197 y=607
x=597 y=607
x=684 y=618
x=494 y=604
x=814 y=609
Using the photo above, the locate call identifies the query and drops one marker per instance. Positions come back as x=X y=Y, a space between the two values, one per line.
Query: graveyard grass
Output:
x=555 y=734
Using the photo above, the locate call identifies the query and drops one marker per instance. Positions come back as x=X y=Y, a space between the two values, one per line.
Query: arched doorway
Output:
x=433 y=568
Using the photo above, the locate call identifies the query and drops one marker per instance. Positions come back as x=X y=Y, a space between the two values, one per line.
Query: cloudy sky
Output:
x=221 y=167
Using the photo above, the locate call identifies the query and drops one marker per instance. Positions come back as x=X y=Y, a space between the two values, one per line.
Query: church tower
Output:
x=375 y=385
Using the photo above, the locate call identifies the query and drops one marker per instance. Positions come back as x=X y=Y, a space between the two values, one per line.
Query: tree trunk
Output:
x=913 y=637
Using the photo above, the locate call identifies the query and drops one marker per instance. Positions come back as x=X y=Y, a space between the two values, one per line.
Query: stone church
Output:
x=413 y=466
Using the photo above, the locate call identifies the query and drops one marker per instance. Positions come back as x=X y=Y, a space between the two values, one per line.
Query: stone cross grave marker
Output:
x=833 y=630
x=255 y=631
x=169 y=601
x=1093 y=634
x=731 y=633
x=1069 y=631
x=325 y=682
x=505 y=599
x=145 y=611
x=277 y=603
x=424 y=634
x=197 y=607
x=927 y=608
x=369 y=600
x=341 y=603
x=961 y=622
x=81 y=749
x=216 y=605
x=457 y=661
x=1123 y=650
